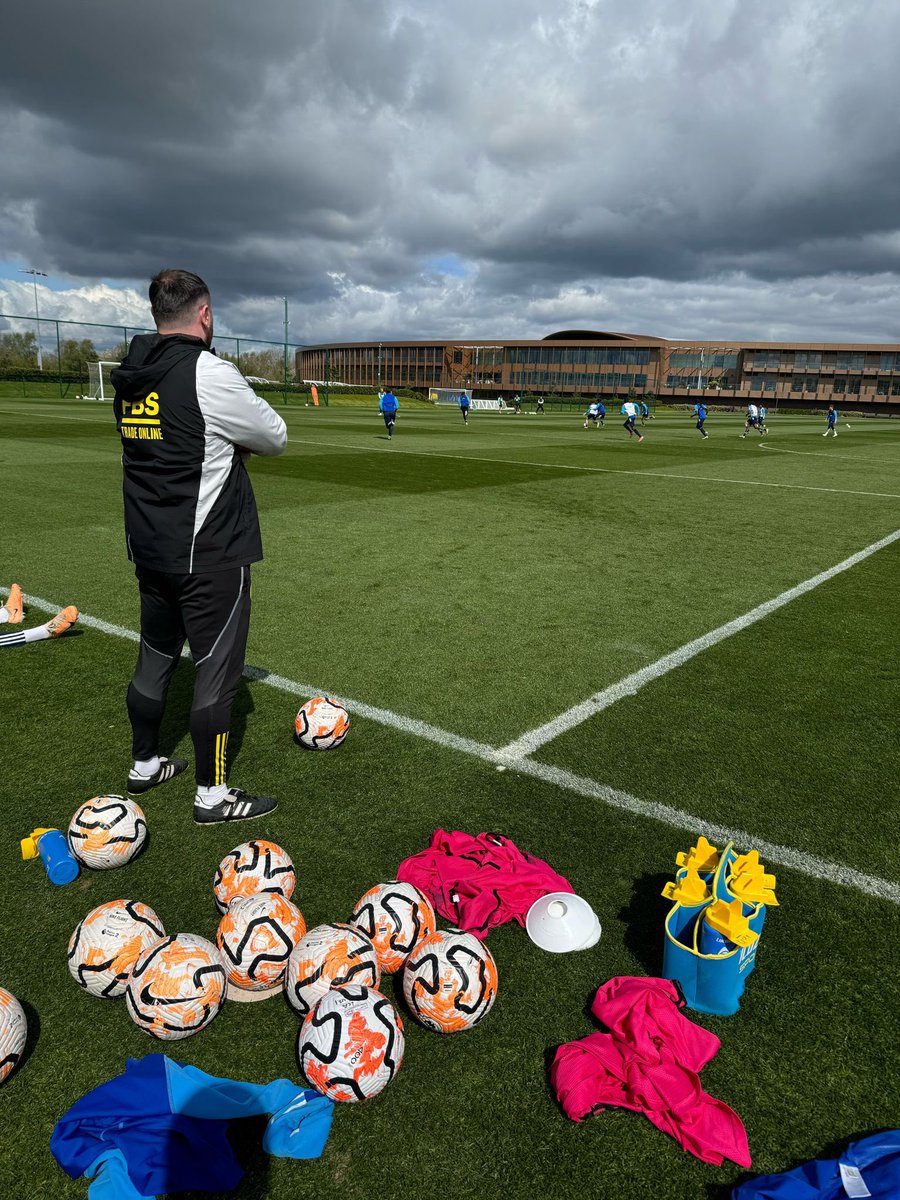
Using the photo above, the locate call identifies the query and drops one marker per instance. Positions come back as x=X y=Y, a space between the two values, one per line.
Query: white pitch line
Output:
x=797 y=860
x=531 y=741
x=858 y=459
x=516 y=462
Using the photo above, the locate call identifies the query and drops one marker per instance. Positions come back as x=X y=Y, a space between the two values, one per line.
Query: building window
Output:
x=849 y=362
x=887 y=363
x=883 y=387
x=853 y=385
x=839 y=386
x=895 y=387
x=806 y=360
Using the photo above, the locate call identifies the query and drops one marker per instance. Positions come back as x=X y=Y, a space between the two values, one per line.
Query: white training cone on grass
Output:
x=561 y=922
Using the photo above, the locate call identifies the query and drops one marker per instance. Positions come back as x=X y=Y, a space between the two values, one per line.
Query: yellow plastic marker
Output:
x=729 y=920
x=702 y=857
x=30 y=844
x=746 y=862
x=754 y=888
x=689 y=890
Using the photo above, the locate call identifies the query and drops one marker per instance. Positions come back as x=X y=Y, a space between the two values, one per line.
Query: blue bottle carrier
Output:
x=713 y=929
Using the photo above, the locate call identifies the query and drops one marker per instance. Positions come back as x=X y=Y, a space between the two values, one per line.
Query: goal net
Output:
x=452 y=395
x=99 y=384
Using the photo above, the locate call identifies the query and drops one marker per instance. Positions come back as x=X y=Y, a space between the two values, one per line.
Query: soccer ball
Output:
x=107 y=943
x=177 y=987
x=14 y=1031
x=107 y=832
x=251 y=868
x=450 y=981
x=256 y=937
x=395 y=916
x=329 y=956
x=351 y=1045
x=321 y=724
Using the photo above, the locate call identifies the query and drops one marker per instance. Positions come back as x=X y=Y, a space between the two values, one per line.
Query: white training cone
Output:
x=561 y=921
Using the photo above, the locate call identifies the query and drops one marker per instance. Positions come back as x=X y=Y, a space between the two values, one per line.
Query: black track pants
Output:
x=213 y=612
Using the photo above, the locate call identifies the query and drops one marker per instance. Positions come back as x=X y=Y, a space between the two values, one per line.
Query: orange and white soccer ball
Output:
x=321 y=724
x=329 y=956
x=351 y=1045
x=177 y=987
x=13 y=1033
x=450 y=981
x=256 y=938
x=107 y=831
x=108 y=942
x=250 y=868
x=396 y=916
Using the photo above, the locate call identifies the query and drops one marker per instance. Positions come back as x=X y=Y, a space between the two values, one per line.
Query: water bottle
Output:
x=51 y=845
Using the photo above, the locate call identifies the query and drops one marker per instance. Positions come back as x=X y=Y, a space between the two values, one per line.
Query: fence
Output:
x=48 y=357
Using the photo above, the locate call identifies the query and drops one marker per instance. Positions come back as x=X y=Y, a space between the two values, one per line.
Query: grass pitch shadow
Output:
x=642 y=918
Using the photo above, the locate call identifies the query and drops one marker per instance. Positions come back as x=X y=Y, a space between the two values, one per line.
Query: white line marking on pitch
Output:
x=517 y=462
x=858 y=459
x=797 y=860
x=531 y=741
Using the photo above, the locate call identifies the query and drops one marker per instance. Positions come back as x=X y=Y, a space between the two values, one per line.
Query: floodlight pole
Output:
x=285 y=348
x=37 y=316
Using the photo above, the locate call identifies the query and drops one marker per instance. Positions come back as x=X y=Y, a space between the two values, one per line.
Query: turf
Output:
x=485 y=579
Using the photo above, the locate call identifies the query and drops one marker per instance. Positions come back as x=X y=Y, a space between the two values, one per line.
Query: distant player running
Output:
x=388 y=406
x=630 y=411
x=752 y=421
x=464 y=403
x=701 y=411
x=645 y=412
x=832 y=421
x=590 y=415
x=762 y=421
x=12 y=612
x=601 y=412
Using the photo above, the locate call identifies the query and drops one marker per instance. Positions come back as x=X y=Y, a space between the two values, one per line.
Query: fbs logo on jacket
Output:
x=140 y=418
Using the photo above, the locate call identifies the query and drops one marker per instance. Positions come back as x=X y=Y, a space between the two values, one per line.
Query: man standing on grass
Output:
x=630 y=409
x=464 y=406
x=832 y=421
x=388 y=406
x=189 y=422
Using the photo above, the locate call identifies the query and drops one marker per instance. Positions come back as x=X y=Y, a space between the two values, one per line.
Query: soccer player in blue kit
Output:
x=388 y=406
x=701 y=411
x=832 y=421
x=464 y=406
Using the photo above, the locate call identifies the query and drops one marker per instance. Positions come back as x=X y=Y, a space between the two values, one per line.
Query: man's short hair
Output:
x=174 y=294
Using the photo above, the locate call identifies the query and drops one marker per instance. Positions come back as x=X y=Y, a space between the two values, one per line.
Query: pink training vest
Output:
x=479 y=882
x=649 y=1062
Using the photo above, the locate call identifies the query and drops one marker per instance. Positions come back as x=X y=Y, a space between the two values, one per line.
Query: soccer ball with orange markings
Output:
x=329 y=956
x=256 y=937
x=450 y=981
x=321 y=724
x=351 y=1045
x=107 y=831
x=13 y=1033
x=253 y=867
x=396 y=916
x=108 y=942
x=177 y=987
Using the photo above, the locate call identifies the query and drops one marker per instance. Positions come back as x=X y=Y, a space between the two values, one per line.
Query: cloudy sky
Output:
x=479 y=168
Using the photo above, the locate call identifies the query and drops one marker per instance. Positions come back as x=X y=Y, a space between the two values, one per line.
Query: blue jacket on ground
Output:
x=162 y=1127
x=873 y=1161
x=388 y=403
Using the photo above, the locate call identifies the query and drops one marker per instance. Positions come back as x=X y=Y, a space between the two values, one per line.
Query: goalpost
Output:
x=451 y=396
x=99 y=384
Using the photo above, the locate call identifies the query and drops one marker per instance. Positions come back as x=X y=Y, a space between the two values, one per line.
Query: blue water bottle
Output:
x=53 y=849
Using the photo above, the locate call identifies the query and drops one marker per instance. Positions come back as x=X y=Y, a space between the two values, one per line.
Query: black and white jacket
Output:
x=186 y=419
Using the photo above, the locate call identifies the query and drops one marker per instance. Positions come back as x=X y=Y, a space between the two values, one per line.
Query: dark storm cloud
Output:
x=560 y=154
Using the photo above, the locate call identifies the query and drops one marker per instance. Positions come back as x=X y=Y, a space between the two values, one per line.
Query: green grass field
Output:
x=484 y=580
